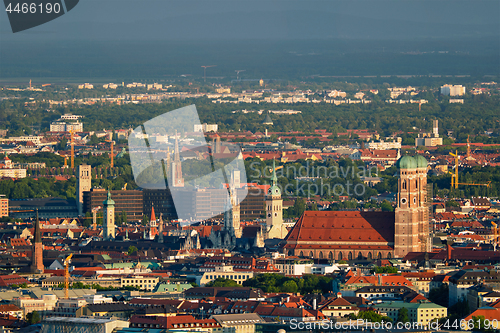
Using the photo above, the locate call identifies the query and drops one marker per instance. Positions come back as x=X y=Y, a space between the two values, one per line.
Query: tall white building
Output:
x=206 y=128
x=61 y=126
x=450 y=90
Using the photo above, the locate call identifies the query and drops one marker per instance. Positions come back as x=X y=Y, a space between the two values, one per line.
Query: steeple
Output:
x=160 y=229
x=109 y=217
x=176 y=169
x=153 y=217
x=274 y=179
x=38 y=237
x=37 y=261
x=176 y=149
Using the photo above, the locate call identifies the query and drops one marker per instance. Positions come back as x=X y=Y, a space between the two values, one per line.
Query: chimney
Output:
x=314 y=303
x=448 y=251
x=379 y=280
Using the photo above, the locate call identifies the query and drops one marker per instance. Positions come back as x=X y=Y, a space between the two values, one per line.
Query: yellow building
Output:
x=142 y=282
x=225 y=272
x=422 y=313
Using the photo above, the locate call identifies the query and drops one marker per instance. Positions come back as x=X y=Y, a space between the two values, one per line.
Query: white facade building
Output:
x=450 y=90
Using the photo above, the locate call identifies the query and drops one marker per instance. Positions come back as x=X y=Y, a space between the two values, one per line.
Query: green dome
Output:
x=407 y=162
x=108 y=201
x=421 y=161
x=274 y=190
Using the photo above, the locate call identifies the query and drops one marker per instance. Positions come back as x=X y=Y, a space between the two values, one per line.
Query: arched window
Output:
x=290 y=253
x=311 y=254
x=321 y=255
x=369 y=256
x=330 y=255
x=389 y=255
x=379 y=255
x=340 y=255
x=403 y=185
x=301 y=254
x=349 y=256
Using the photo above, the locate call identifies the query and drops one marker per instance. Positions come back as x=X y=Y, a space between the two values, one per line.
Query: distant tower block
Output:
x=435 y=128
x=177 y=180
x=83 y=183
x=109 y=218
x=261 y=82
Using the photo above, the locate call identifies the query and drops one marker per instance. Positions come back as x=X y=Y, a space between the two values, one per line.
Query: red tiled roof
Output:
x=489 y=314
x=343 y=226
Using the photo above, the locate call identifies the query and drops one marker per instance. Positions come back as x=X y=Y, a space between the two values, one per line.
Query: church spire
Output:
x=274 y=179
x=176 y=149
x=160 y=229
x=38 y=237
x=37 y=261
x=153 y=217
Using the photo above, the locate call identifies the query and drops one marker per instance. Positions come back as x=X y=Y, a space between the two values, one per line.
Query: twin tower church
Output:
x=339 y=235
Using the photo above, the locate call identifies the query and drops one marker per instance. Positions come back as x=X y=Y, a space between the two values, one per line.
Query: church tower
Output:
x=83 y=183
x=274 y=209
x=37 y=261
x=152 y=224
x=411 y=216
x=109 y=218
x=160 y=229
x=235 y=207
x=176 y=177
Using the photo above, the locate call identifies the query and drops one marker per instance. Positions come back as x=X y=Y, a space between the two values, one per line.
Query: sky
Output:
x=122 y=20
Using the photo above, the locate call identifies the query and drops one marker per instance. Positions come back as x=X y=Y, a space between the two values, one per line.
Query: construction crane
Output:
x=205 y=71
x=275 y=169
x=65 y=161
x=94 y=217
x=111 y=142
x=238 y=73
x=66 y=276
x=46 y=84
x=454 y=175
x=72 y=133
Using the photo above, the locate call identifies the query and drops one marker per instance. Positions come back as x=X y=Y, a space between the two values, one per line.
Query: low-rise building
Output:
x=238 y=323
x=224 y=272
x=64 y=324
x=139 y=281
x=118 y=310
x=42 y=305
x=422 y=313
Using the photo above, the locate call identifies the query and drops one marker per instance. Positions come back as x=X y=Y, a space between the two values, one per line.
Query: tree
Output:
x=403 y=316
x=33 y=317
x=221 y=282
x=439 y=295
x=386 y=206
x=131 y=249
x=290 y=287
x=482 y=325
x=124 y=217
x=145 y=220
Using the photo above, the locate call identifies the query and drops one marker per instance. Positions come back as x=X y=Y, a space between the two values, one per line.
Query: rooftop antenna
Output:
x=205 y=71
x=238 y=74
